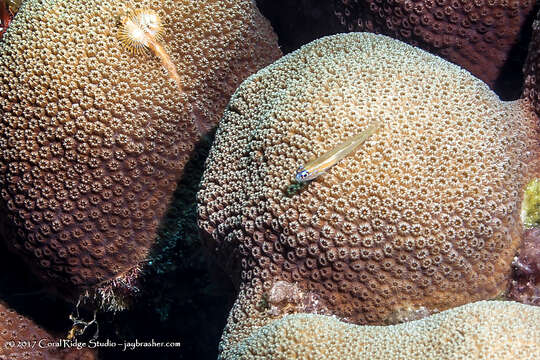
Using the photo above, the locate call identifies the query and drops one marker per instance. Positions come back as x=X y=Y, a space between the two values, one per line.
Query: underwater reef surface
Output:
x=488 y=38
x=23 y=339
x=120 y=127
x=96 y=131
x=479 y=331
x=525 y=286
x=179 y=297
x=480 y=36
x=531 y=69
x=177 y=293
x=424 y=215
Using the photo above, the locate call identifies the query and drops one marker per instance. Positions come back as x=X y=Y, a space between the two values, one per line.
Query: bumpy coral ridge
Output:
x=477 y=35
x=483 y=330
x=93 y=139
x=424 y=214
x=21 y=338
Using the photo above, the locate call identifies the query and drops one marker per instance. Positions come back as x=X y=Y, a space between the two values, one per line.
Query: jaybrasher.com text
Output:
x=65 y=343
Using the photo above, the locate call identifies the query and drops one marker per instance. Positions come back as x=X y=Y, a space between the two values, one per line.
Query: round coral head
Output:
x=124 y=139
x=423 y=216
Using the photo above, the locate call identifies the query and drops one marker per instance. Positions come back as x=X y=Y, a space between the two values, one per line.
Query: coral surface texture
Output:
x=481 y=331
x=532 y=67
x=477 y=35
x=22 y=339
x=93 y=138
x=424 y=216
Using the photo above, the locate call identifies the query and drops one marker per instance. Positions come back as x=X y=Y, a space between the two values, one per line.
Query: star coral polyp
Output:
x=481 y=331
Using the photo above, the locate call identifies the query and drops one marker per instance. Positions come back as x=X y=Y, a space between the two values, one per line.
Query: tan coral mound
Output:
x=93 y=139
x=423 y=216
x=21 y=338
x=483 y=330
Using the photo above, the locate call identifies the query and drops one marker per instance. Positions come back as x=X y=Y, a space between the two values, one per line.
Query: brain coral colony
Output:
x=93 y=138
x=423 y=217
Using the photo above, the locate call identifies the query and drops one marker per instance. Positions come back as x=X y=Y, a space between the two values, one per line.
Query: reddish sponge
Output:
x=477 y=35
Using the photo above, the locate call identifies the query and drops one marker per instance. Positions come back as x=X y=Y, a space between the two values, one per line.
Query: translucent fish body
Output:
x=323 y=163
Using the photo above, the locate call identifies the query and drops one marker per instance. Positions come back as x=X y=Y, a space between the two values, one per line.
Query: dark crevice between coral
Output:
x=299 y=22
x=24 y=293
x=509 y=84
x=180 y=297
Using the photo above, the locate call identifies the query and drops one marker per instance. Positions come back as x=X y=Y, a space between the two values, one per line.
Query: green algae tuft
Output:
x=530 y=209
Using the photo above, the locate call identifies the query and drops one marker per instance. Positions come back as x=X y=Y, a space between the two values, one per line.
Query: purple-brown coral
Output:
x=22 y=339
x=531 y=88
x=477 y=35
x=525 y=286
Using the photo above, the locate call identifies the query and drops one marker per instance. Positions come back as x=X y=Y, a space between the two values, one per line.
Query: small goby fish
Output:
x=326 y=161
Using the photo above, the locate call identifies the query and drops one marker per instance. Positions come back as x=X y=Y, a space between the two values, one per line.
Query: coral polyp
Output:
x=423 y=217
